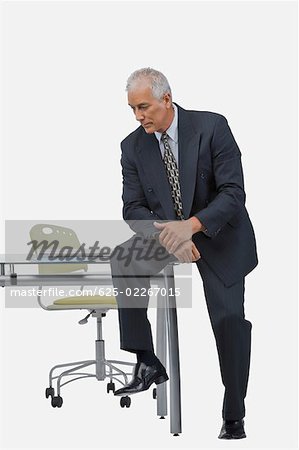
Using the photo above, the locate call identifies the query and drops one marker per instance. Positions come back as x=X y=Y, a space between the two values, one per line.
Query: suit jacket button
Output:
x=149 y=190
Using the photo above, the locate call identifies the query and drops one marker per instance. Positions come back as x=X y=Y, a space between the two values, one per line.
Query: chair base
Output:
x=104 y=368
x=101 y=372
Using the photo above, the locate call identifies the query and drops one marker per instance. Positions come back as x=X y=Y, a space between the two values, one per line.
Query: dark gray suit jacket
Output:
x=212 y=188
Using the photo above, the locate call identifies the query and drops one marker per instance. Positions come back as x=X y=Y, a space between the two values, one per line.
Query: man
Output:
x=184 y=168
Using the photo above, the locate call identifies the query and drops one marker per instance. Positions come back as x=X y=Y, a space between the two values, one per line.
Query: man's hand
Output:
x=195 y=253
x=173 y=234
x=187 y=252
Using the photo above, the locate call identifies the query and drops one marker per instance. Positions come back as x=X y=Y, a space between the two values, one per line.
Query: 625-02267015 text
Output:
x=107 y=291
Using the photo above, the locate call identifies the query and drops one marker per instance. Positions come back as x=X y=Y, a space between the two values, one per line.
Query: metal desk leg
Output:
x=173 y=352
x=2 y=274
x=161 y=354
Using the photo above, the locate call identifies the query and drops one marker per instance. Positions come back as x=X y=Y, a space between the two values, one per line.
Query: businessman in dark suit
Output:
x=183 y=192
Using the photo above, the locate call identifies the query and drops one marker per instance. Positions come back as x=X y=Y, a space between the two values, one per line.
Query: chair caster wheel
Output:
x=125 y=402
x=56 y=402
x=49 y=392
x=110 y=387
x=154 y=393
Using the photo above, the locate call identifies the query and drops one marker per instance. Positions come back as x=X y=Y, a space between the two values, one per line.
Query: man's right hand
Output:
x=187 y=252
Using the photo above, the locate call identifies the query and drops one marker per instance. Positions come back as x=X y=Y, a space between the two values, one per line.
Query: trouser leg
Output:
x=233 y=338
x=131 y=273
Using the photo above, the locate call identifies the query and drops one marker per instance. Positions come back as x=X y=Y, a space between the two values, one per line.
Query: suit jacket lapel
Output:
x=189 y=140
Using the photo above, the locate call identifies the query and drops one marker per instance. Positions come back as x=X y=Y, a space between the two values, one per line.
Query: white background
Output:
x=64 y=113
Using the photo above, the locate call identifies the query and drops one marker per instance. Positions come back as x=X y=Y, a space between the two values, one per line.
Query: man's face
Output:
x=153 y=114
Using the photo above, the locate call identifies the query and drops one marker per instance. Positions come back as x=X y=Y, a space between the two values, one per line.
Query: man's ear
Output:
x=167 y=100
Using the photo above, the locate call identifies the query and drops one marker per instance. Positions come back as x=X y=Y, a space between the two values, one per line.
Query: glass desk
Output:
x=13 y=273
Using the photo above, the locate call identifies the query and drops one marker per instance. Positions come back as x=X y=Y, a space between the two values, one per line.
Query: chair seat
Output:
x=85 y=302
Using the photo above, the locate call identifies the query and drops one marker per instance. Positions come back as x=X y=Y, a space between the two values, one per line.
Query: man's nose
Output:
x=139 y=115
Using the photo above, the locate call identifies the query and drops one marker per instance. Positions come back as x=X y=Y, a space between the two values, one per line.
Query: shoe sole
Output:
x=232 y=436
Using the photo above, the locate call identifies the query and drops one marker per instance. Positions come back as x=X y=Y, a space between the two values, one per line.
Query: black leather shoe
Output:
x=144 y=376
x=232 y=429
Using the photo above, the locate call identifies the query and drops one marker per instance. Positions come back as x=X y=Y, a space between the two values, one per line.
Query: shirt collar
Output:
x=172 y=131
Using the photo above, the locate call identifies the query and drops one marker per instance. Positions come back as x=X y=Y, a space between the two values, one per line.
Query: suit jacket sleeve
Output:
x=135 y=207
x=229 y=182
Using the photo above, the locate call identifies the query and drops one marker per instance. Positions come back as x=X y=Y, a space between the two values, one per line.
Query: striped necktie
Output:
x=172 y=172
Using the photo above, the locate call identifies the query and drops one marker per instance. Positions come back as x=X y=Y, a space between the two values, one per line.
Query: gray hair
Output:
x=158 y=82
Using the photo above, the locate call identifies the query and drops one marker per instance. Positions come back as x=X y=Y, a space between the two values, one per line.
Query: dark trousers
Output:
x=131 y=273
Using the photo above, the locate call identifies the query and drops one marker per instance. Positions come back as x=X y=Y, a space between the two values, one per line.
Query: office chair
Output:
x=97 y=305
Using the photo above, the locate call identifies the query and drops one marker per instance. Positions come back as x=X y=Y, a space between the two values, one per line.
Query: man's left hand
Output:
x=173 y=234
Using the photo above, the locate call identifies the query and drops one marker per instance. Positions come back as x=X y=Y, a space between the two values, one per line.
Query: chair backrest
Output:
x=65 y=238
